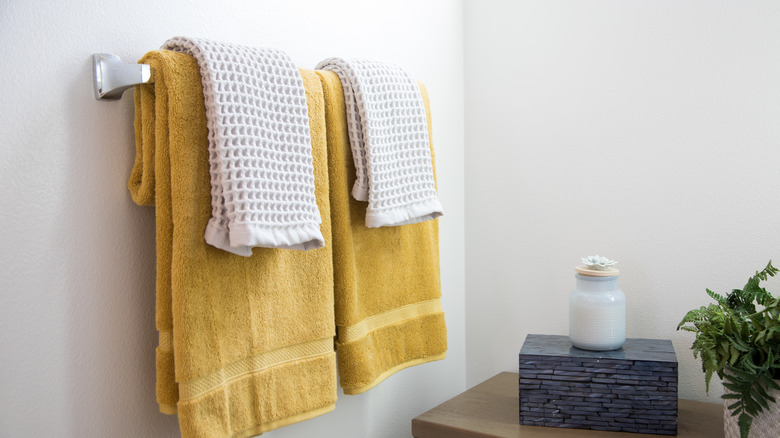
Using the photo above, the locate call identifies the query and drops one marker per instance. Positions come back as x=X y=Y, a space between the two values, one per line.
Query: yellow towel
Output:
x=246 y=344
x=387 y=284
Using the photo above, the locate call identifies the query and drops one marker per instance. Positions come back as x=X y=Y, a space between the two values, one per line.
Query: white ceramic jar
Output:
x=597 y=310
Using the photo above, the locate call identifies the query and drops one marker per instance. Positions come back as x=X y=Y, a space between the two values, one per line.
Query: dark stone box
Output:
x=632 y=389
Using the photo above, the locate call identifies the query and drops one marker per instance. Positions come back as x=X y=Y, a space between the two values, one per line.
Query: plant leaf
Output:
x=740 y=344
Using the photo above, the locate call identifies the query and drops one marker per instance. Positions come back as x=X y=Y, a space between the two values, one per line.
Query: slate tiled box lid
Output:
x=632 y=389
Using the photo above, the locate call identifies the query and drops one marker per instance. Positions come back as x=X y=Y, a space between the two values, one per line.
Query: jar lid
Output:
x=609 y=272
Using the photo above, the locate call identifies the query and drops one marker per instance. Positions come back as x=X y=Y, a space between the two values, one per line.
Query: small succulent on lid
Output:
x=598 y=263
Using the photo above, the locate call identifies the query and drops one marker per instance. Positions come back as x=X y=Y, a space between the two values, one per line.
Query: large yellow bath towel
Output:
x=246 y=344
x=387 y=284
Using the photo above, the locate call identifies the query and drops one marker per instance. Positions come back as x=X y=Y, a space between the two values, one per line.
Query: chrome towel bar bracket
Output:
x=112 y=76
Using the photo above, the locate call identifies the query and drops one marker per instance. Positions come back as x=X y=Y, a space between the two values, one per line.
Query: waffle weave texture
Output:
x=388 y=136
x=260 y=157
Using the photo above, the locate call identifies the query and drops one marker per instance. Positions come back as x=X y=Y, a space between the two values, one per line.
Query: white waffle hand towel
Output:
x=262 y=175
x=388 y=135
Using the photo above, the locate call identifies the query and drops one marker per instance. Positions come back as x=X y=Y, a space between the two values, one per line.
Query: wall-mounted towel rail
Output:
x=112 y=76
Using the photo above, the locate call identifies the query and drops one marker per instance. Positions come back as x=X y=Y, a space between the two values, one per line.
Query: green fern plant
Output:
x=738 y=339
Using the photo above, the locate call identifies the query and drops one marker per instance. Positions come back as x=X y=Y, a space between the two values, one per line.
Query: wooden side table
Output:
x=491 y=409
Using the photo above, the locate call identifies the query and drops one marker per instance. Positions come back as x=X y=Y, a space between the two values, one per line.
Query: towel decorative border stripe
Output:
x=168 y=409
x=253 y=364
x=165 y=341
x=366 y=326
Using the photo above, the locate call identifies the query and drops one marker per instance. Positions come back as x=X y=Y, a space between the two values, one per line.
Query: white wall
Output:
x=77 y=331
x=646 y=131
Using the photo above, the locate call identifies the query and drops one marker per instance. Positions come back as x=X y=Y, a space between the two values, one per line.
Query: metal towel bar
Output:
x=112 y=76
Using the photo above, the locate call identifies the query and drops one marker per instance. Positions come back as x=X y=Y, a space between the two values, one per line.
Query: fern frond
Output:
x=717 y=297
x=769 y=271
x=740 y=344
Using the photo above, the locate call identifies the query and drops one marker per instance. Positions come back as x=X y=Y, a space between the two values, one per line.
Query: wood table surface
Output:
x=491 y=409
